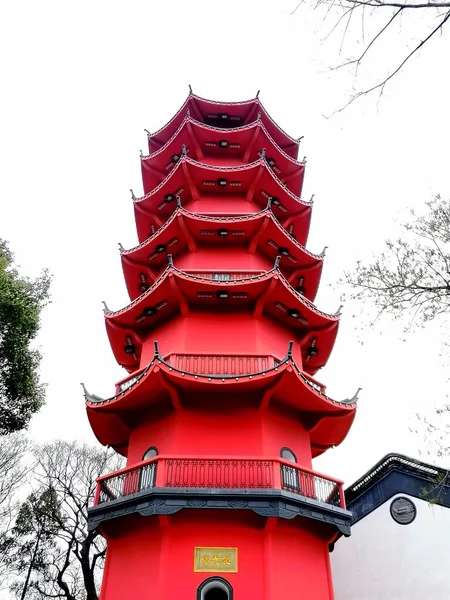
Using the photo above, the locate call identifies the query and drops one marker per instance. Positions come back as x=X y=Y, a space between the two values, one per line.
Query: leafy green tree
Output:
x=21 y=303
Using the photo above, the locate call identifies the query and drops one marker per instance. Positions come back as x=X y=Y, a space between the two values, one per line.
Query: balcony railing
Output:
x=124 y=384
x=203 y=364
x=126 y=482
x=319 y=387
x=220 y=474
x=222 y=276
x=209 y=365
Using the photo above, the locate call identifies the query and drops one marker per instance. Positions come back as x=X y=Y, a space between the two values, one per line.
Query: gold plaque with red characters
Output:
x=215 y=560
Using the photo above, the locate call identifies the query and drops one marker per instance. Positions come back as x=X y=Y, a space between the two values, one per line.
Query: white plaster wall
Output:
x=384 y=560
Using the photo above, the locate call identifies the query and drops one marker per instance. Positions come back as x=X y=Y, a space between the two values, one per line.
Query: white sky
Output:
x=81 y=80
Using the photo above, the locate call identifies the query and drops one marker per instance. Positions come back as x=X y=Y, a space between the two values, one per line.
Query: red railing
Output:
x=220 y=473
x=220 y=276
x=128 y=381
x=320 y=387
x=208 y=364
x=203 y=364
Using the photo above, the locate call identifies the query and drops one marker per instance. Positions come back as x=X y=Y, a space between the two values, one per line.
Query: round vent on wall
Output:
x=403 y=511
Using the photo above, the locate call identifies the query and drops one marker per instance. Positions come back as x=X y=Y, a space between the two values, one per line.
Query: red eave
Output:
x=214 y=146
x=223 y=191
x=224 y=115
x=176 y=292
x=327 y=420
x=155 y=171
x=186 y=232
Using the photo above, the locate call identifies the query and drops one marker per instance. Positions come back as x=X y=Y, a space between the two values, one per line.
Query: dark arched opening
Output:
x=147 y=475
x=289 y=475
x=215 y=588
x=216 y=593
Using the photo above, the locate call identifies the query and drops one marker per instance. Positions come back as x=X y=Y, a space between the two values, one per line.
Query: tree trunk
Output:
x=88 y=572
x=30 y=568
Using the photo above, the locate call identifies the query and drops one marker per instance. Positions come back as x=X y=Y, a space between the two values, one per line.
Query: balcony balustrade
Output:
x=211 y=365
x=124 y=384
x=319 y=387
x=236 y=474
x=220 y=365
x=221 y=276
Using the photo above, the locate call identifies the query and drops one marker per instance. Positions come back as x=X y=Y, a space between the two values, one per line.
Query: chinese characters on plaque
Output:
x=215 y=560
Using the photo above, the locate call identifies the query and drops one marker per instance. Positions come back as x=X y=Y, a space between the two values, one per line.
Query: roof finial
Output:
x=257 y=93
x=277 y=262
x=311 y=200
x=263 y=153
x=133 y=197
x=289 y=352
x=188 y=113
x=155 y=344
x=259 y=115
x=141 y=154
x=300 y=139
x=355 y=398
x=121 y=248
x=304 y=160
x=147 y=132
x=190 y=89
x=178 y=199
x=338 y=312
x=85 y=392
x=183 y=150
x=324 y=251
x=170 y=260
x=105 y=307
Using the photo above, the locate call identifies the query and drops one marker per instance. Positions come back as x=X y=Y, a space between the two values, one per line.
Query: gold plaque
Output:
x=215 y=560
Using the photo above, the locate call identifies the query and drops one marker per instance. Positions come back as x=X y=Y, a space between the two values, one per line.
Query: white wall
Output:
x=385 y=560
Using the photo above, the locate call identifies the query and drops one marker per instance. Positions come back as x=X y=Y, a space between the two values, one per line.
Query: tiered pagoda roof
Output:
x=186 y=232
x=245 y=189
x=224 y=116
x=222 y=180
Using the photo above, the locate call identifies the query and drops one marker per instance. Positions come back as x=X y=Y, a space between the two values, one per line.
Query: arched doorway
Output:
x=215 y=588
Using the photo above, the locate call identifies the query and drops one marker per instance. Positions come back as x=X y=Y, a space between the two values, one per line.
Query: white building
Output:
x=400 y=543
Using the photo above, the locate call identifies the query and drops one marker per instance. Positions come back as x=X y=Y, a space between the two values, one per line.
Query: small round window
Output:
x=150 y=453
x=403 y=510
x=287 y=454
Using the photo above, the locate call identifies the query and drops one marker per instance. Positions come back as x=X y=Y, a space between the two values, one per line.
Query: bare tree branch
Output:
x=412 y=276
x=357 y=61
x=70 y=556
x=343 y=11
x=382 y=83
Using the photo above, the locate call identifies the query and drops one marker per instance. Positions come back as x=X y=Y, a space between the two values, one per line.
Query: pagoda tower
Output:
x=220 y=415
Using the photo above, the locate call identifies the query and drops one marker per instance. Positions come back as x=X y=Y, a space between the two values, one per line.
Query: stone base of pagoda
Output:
x=174 y=556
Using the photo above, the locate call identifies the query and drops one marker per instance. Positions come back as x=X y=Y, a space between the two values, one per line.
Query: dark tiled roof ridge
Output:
x=390 y=462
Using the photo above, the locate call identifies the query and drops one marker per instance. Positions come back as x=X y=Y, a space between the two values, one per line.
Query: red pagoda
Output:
x=220 y=415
